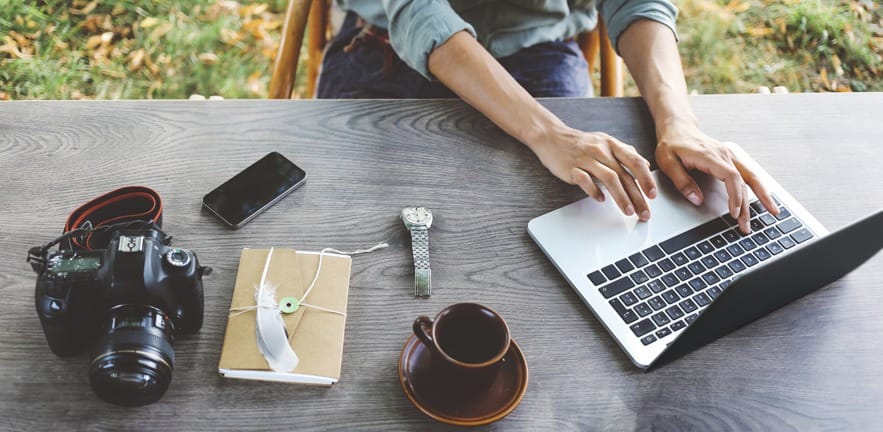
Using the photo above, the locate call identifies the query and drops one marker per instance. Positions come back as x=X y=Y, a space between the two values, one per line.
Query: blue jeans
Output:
x=369 y=69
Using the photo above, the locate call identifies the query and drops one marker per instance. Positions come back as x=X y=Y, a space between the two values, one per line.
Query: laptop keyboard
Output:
x=662 y=289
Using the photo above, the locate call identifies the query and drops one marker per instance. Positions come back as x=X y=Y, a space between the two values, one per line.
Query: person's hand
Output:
x=684 y=147
x=581 y=158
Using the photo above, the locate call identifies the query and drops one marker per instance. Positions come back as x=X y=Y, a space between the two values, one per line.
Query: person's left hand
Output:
x=683 y=147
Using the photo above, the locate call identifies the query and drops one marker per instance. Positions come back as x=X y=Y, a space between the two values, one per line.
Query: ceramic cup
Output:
x=468 y=342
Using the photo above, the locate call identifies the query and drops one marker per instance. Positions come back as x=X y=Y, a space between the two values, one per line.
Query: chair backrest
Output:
x=314 y=14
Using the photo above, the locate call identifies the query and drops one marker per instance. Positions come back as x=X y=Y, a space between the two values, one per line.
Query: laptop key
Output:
x=762 y=254
x=663 y=332
x=801 y=235
x=772 y=233
x=628 y=298
x=787 y=243
x=643 y=292
x=698 y=284
x=767 y=219
x=649 y=339
x=713 y=292
x=723 y=272
x=756 y=225
x=722 y=256
x=789 y=225
x=642 y=327
x=749 y=260
x=747 y=244
x=718 y=241
x=732 y=236
x=661 y=319
x=655 y=286
x=639 y=277
x=674 y=312
x=775 y=248
x=680 y=259
x=783 y=213
x=757 y=207
x=702 y=299
x=656 y=303
x=666 y=265
x=683 y=274
x=627 y=315
x=611 y=272
x=760 y=238
x=705 y=247
x=684 y=290
x=691 y=318
x=624 y=265
x=638 y=260
x=643 y=310
x=709 y=261
x=677 y=325
x=688 y=305
x=735 y=250
x=653 y=271
x=710 y=278
x=696 y=267
x=694 y=235
x=597 y=278
x=616 y=287
x=692 y=253
x=737 y=266
x=670 y=280
x=671 y=297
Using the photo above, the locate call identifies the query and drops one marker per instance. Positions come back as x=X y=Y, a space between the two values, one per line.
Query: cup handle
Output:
x=423 y=330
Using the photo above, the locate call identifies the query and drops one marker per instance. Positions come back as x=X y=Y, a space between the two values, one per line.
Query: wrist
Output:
x=675 y=123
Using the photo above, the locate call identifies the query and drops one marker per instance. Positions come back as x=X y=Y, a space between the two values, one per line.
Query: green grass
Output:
x=53 y=49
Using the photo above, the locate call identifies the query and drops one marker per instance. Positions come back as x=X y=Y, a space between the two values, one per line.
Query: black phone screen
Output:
x=254 y=189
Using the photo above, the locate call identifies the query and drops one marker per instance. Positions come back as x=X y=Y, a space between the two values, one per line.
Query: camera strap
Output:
x=126 y=204
x=91 y=225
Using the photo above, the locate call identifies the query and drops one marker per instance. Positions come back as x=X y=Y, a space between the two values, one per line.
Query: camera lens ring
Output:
x=134 y=359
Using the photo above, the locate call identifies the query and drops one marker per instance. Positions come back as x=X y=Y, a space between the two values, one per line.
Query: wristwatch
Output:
x=418 y=220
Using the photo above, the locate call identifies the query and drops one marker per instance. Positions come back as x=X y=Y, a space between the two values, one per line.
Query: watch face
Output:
x=417 y=215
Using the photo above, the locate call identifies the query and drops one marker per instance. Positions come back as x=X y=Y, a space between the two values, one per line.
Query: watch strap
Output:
x=420 y=250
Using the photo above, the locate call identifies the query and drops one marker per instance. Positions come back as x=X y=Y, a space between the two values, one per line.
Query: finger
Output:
x=642 y=209
x=745 y=213
x=760 y=190
x=674 y=169
x=725 y=171
x=637 y=166
x=584 y=181
x=610 y=179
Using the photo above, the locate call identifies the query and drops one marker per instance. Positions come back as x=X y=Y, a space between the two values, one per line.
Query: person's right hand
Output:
x=584 y=158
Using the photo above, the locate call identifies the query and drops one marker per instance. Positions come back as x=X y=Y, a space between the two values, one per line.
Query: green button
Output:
x=289 y=305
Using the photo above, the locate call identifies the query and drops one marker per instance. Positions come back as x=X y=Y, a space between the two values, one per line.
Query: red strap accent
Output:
x=125 y=204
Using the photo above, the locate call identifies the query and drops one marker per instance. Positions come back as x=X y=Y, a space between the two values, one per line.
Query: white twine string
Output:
x=241 y=310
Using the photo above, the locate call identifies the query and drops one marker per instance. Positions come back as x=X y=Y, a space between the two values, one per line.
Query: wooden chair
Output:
x=316 y=13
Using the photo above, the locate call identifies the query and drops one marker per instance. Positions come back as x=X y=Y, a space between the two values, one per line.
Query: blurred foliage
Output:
x=91 y=49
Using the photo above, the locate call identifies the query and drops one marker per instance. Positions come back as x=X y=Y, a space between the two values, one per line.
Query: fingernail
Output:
x=645 y=215
x=652 y=193
x=630 y=210
x=694 y=198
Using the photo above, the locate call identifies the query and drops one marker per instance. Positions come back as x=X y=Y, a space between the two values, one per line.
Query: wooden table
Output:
x=812 y=365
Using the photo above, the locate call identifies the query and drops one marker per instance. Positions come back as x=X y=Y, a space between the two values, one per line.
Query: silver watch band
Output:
x=420 y=249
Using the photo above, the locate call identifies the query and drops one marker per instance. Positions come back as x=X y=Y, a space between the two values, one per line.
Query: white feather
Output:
x=270 y=327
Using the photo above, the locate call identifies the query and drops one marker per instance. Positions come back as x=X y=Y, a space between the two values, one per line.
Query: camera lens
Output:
x=134 y=360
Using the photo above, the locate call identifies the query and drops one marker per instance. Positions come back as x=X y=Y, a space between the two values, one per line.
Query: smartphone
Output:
x=254 y=189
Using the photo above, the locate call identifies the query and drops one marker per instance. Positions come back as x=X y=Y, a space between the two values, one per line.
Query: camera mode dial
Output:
x=178 y=258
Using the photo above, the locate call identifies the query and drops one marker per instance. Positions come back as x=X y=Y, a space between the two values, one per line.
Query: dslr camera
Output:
x=132 y=297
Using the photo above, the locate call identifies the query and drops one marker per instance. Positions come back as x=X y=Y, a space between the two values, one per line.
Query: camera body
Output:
x=132 y=297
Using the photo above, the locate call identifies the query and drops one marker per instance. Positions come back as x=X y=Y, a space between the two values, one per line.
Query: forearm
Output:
x=466 y=68
x=651 y=54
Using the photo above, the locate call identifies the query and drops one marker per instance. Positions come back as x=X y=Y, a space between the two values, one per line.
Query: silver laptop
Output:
x=648 y=281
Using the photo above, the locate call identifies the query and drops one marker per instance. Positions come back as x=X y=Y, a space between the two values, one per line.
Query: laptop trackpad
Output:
x=587 y=235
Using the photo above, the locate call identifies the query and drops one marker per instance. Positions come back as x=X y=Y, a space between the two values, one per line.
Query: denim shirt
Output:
x=503 y=27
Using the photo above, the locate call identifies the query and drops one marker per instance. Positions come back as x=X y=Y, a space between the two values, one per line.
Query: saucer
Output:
x=436 y=397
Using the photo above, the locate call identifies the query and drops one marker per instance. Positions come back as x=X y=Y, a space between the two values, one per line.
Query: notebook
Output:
x=651 y=282
x=316 y=335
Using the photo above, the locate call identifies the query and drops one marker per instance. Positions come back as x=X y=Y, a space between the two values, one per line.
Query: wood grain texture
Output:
x=811 y=365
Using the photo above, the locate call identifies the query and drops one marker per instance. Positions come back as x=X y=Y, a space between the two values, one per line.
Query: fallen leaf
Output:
x=149 y=22
x=160 y=31
x=207 y=58
x=136 y=60
x=93 y=42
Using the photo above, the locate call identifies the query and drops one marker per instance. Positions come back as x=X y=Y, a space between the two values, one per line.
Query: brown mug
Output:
x=468 y=342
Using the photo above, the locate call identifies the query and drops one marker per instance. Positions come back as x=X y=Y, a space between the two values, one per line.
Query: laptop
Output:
x=688 y=276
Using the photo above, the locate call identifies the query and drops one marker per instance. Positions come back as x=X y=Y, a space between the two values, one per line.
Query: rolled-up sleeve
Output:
x=416 y=27
x=619 y=14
